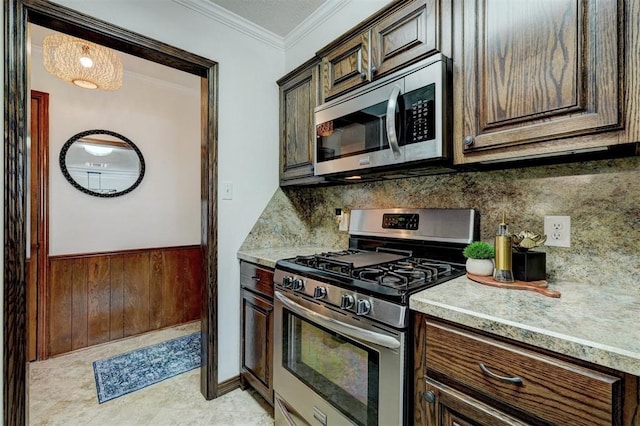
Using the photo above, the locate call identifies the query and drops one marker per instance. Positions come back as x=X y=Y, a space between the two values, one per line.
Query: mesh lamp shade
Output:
x=82 y=63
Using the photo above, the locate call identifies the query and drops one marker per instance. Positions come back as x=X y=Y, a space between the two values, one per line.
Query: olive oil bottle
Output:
x=503 y=272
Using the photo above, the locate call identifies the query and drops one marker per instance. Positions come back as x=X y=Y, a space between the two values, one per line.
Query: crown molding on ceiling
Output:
x=230 y=19
x=313 y=21
x=223 y=16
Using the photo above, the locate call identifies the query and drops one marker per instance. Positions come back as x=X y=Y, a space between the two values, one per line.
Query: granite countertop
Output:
x=269 y=256
x=595 y=323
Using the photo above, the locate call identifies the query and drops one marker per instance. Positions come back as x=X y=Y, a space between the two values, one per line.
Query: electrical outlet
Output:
x=344 y=223
x=558 y=231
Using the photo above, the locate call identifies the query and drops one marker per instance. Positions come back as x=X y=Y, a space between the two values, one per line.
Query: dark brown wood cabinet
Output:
x=257 y=329
x=532 y=78
x=298 y=98
x=402 y=33
x=448 y=407
x=464 y=377
x=405 y=36
x=346 y=66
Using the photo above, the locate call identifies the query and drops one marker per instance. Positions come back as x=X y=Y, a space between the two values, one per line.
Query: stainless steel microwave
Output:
x=399 y=121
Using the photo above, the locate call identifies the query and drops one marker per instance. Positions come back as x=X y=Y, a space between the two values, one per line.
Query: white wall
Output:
x=163 y=120
x=247 y=134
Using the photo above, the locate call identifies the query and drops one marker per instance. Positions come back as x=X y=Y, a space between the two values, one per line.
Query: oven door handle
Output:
x=339 y=326
x=392 y=134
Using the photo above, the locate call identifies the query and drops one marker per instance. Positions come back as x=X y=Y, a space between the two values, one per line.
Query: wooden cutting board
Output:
x=537 y=286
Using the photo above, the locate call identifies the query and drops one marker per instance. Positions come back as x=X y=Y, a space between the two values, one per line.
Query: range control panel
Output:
x=408 y=221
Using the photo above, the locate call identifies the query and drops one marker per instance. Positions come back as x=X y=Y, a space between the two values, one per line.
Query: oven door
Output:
x=331 y=368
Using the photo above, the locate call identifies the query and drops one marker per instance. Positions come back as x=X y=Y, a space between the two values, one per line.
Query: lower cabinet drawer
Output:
x=551 y=389
x=256 y=278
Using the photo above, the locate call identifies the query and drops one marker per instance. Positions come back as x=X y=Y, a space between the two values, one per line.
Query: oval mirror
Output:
x=102 y=163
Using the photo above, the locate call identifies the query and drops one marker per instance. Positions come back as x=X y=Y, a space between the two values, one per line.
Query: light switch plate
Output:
x=344 y=222
x=227 y=190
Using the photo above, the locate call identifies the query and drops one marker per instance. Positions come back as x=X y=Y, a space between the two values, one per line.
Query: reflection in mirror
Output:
x=102 y=163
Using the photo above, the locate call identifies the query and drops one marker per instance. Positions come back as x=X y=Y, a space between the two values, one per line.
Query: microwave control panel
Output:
x=420 y=118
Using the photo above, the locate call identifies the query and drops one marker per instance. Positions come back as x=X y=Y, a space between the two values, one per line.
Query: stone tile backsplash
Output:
x=602 y=197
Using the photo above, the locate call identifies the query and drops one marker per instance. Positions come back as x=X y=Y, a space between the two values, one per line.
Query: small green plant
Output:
x=479 y=250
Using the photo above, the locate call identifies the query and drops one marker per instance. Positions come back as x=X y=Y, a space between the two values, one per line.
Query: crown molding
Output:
x=313 y=21
x=230 y=19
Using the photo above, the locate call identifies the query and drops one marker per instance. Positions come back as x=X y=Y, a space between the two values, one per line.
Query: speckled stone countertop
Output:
x=269 y=256
x=595 y=323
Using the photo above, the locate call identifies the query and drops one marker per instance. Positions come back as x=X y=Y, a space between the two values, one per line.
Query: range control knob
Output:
x=319 y=292
x=347 y=301
x=298 y=284
x=287 y=281
x=363 y=308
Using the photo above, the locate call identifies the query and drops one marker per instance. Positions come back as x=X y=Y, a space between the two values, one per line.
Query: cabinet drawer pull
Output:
x=515 y=380
x=429 y=396
x=255 y=278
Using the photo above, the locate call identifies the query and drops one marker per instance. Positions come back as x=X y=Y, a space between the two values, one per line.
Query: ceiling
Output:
x=277 y=16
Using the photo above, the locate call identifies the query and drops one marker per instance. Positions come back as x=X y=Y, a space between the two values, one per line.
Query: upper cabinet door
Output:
x=530 y=76
x=405 y=36
x=298 y=98
x=346 y=66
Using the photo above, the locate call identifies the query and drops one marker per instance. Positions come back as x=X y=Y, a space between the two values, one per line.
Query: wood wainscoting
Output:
x=99 y=297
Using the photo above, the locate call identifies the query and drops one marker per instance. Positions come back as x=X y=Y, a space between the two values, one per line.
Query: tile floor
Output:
x=62 y=391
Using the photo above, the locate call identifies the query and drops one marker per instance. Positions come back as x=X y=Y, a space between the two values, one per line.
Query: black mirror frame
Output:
x=72 y=181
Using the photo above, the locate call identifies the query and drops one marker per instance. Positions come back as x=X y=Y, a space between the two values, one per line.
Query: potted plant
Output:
x=480 y=257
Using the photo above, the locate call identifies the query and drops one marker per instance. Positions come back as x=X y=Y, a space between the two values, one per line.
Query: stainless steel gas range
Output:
x=341 y=327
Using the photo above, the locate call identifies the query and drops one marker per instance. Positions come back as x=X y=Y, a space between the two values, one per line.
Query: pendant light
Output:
x=82 y=63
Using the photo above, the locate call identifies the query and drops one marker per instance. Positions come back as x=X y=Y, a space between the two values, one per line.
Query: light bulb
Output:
x=86 y=62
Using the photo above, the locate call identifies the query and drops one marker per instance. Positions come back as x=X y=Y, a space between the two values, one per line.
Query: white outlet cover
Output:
x=558 y=231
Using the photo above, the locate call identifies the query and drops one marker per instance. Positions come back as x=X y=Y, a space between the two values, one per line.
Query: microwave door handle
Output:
x=339 y=326
x=392 y=134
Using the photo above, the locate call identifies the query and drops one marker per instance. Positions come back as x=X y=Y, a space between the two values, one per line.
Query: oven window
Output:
x=342 y=371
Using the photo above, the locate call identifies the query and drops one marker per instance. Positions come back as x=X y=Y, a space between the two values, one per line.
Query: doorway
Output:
x=16 y=16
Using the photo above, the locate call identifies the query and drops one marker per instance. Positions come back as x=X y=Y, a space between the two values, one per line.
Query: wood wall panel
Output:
x=99 y=297
x=172 y=303
x=59 y=323
x=98 y=300
x=156 y=268
x=192 y=287
x=136 y=293
x=79 y=316
x=116 y=309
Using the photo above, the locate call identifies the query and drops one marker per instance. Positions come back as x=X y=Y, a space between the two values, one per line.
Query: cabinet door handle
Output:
x=468 y=141
x=363 y=75
x=514 y=380
x=256 y=278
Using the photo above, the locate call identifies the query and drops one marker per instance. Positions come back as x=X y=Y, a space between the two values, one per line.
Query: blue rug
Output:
x=131 y=371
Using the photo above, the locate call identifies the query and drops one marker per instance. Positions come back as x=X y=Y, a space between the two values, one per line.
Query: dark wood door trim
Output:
x=40 y=209
x=16 y=16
